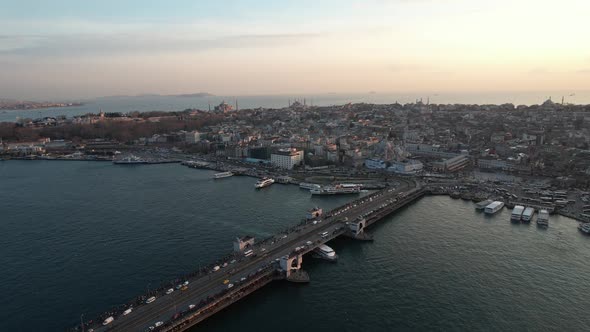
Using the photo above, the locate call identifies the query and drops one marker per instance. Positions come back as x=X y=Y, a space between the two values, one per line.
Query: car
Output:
x=150 y=300
x=127 y=312
x=263 y=249
x=309 y=243
x=108 y=321
x=224 y=265
x=158 y=324
x=233 y=261
x=183 y=288
x=170 y=291
x=191 y=306
x=216 y=268
x=226 y=281
x=185 y=283
x=230 y=286
x=243 y=279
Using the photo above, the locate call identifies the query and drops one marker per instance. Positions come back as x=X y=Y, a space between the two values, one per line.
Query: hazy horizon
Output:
x=72 y=50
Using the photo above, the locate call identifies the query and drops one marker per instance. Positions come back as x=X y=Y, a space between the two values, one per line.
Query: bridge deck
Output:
x=209 y=293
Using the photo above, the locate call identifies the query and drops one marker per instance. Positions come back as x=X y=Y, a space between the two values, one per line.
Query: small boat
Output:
x=517 y=213
x=494 y=207
x=480 y=206
x=543 y=218
x=584 y=228
x=264 y=182
x=223 y=175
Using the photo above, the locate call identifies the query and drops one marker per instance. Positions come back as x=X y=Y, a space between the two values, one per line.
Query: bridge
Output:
x=210 y=290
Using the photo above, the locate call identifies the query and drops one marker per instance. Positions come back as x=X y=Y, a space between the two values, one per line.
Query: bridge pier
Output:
x=357 y=230
x=291 y=266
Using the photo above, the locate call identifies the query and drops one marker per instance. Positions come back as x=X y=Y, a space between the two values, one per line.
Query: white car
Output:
x=160 y=323
x=151 y=299
x=191 y=306
x=170 y=291
x=230 y=286
x=243 y=279
x=108 y=321
x=127 y=312
x=185 y=283
x=309 y=243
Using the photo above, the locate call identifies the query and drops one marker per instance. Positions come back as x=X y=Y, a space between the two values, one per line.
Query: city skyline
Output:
x=71 y=50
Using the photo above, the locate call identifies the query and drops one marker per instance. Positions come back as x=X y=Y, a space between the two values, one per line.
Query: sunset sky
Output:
x=78 y=49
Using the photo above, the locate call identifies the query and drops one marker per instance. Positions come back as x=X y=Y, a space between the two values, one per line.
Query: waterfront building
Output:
x=375 y=164
x=286 y=158
x=452 y=164
x=408 y=166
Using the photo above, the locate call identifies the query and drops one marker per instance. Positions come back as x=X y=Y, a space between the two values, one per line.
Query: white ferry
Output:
x=223 y=175
x=264 y=182
x=339 y=189
x=494 y=207
x=325 y=252
x=308 y=186
x=527 y=215
x=517 y=213
x=543 y=218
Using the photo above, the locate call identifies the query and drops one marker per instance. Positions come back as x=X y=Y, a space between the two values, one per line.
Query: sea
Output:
x=79 y=237
x=144 y=103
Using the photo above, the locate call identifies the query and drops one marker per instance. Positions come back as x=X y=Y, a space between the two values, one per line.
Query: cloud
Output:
x=126 y=43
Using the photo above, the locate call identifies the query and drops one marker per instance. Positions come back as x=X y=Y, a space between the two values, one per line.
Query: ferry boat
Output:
x=494 y=207
x=325 y=252
x=339 y=189
x=543 y=218
x=517 y=213
x=584 y=228
x=130 y=160
x=480 y=206
x=264 y=182
x=223 y=175
x=308 y=186
x=527 y=215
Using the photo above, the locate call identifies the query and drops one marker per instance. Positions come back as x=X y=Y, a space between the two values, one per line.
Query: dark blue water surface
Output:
x=80 y=237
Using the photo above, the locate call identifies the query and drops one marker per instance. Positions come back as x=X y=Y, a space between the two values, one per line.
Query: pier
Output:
x=206 y=292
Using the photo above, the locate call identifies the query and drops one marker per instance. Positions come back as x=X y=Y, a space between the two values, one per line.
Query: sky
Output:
x=81 y=49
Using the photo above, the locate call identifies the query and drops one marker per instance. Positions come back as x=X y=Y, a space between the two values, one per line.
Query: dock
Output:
x=280 y=257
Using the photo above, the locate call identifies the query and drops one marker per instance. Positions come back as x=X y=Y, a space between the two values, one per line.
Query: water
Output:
x=79 y=237
x=171 y=103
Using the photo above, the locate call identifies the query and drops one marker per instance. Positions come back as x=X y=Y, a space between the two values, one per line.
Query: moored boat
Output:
x=325 y=252
x=494 y=207
x=339 y=189
x=480 y=206
x=543 y=218
x=527 y=215
x=223 y=175
x=516 y=214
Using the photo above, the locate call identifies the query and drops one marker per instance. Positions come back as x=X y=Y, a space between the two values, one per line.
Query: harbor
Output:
x=179 y=246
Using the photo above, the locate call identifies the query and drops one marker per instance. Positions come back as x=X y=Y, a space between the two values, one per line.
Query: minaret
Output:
x=209 y=102
x=237 y=108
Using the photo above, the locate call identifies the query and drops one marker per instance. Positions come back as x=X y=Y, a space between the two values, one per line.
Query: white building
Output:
x=408 y=166
x=192 y=137
x=286 y=158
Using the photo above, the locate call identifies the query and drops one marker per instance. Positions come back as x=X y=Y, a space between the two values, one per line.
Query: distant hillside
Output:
x=198 y=94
